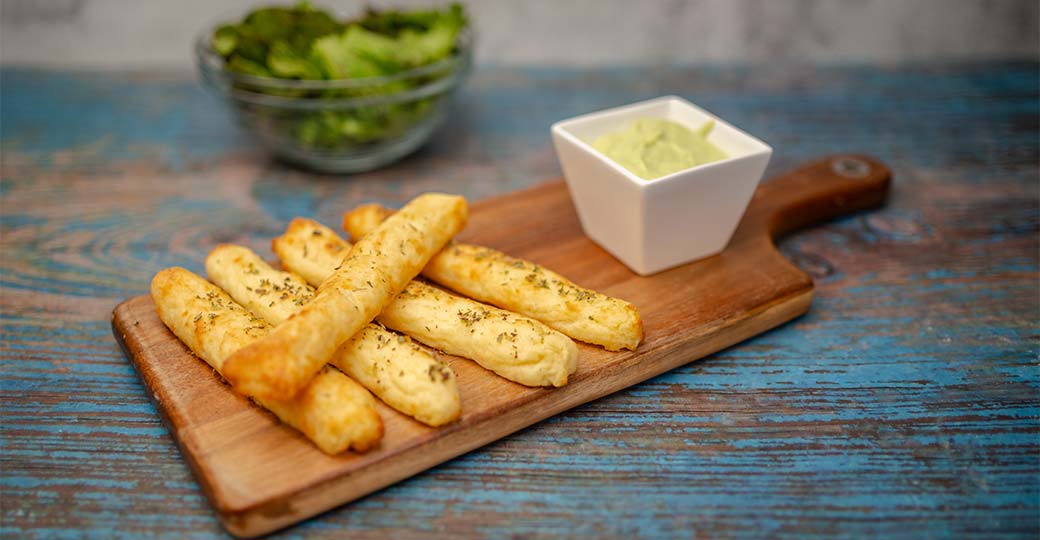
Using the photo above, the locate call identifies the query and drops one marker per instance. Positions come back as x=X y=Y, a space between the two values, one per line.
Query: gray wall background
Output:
x=113 y=34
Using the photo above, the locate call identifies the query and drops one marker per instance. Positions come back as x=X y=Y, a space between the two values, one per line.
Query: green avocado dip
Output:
x=654 y=147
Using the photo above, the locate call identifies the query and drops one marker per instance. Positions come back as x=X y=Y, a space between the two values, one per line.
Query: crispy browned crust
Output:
x=524 y=287
x=280 y=364
x=363 y=219
x=405 y=375
x=316 y=253
x=332 y=410
x=515 y=347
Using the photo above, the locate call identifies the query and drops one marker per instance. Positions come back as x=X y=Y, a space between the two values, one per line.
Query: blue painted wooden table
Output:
x=904 y=405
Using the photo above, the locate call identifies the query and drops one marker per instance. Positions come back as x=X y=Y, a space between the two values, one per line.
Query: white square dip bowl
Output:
x=653 y=225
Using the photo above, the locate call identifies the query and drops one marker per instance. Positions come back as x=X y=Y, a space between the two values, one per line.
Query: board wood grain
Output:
x=261 y=476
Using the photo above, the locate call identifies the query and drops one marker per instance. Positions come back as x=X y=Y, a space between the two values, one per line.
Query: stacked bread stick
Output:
x=313 y=341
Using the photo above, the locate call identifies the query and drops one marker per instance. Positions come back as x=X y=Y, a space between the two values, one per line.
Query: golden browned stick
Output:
x=513 y=346
x=332 y=411
x=521 y=286
x=314 y=249
x=369 y=277
x=400 y=372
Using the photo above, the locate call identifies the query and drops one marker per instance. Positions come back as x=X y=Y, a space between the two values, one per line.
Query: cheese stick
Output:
x=314 y=249
x=281 y=363
x=521 y=286
x=332 y=410
x=515 y=347
x=403 y=374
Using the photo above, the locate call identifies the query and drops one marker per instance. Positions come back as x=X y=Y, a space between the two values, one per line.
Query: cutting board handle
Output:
x=817 y=192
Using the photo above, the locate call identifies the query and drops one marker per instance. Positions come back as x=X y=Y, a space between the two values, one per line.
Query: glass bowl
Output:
x=343 y=125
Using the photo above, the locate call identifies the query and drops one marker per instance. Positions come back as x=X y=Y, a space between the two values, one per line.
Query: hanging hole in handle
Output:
x=850 y=167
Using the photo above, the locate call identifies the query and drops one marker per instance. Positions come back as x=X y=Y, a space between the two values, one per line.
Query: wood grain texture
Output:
x=903 y=405
x=261 y=476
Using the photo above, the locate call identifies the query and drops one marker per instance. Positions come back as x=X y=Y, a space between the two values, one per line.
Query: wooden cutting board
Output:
x=261 y=476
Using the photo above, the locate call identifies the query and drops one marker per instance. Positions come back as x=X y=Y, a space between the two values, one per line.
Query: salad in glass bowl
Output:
x=338 y=95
